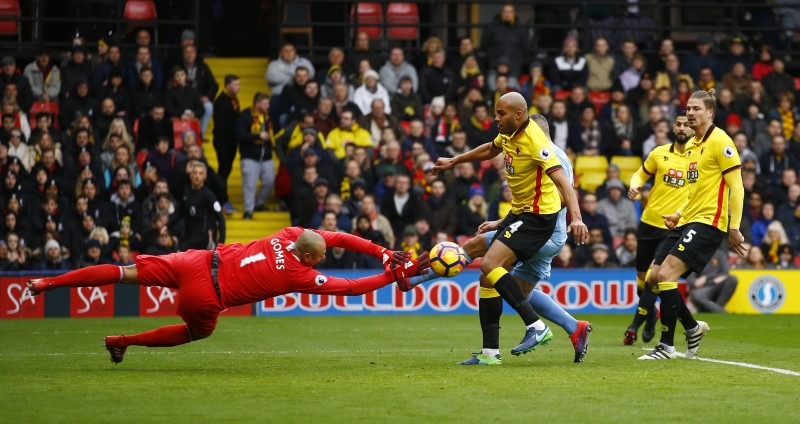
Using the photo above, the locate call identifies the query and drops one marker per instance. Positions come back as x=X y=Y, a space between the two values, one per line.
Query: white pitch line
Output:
x=739 y=364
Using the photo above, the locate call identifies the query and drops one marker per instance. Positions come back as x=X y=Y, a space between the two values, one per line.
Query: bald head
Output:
x=541 y=121
x=510 y=112
x=309 y=242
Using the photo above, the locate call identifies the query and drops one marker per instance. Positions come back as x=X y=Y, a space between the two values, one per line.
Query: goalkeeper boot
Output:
x=693 y=340
x=661 y=351
x=580 y=340
x=532 y=340
x=649 y=330
x=481 y=359
x=630 y=337
x=115 y=345
x=38 y=285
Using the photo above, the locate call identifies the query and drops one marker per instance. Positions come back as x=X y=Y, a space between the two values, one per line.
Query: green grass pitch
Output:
x=390 y=369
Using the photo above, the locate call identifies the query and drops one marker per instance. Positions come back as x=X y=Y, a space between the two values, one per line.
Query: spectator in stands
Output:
x=577 y=101
x=724 y=107
x=460 y=186
x=378 y=221
x=620 y=132
x=336 y=59
x=777 y=82
x=780 y=194
x=144 y=57
x=281 y=71
x=786 y=257
x=617 y=209
x=99 y=77
x=335 y=75
x=146 y=95
x=473 y=213
x=491 y=79
x=755 y=259
x=165 y=243
x=200 y=77
x=587 y=136
x=600 y=66
x=20 y=118
x=369 y=91
x=785 y=210
x=441 y=209
x=79 y=103
x=401 y=206
x=293 y=96
x=341 y=216
x=254 y=131
x=406 y=104
x=17 y=253
x=702 y=57
x=506 y=38
x=323 y=116
x=19 y=150
x=592 y=215
x=500 y=207
x=624 y=61
x=626 y=251
x=481 y=127
x=114 y=90
x=44 y=77
x=377 y=120
x=416 y=134
x=437 y=80
x=616 y=99
x=759 y=227
x=737 y=80
x=52 y=259
x=226 y=112
x=600 y=257
x=711 y=289
x=11 y=75
x=342 y=102
x=161 y=159
x=361 y=50
x=706 y=79
x=154 y=126
x=672 y=75
x=560 y=128
x=776 y=160
x=347 y=133
x=395 y=69
x=182 y=100
x=568 y=69
x=740 y=141
x=535 y=85
x=786 y=113
x=668 y=104
x=774 y=238
x=77 y=69
x=431 y=45
x=102 y=120
x=763 y=65
x=659 y=138
x=469 y=76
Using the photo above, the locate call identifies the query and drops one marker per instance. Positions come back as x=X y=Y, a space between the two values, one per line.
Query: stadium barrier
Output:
x=578 y=291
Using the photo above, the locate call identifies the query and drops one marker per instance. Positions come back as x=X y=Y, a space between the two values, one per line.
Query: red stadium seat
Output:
x=43 y=107
x=9 y=17
x=140 y=10
x=141 y=157
x=563 y=94
x=797 y=83
x=367 y=13
x=402 y=14
x=179 y=126
x=599 y=99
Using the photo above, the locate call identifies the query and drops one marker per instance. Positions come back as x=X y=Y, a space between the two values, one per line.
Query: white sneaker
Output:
x=693 y=340
x=660 y=352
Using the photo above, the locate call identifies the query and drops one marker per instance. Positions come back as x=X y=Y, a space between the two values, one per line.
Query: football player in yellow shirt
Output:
x=537 y=183
x=667 y=165
x=700 y=225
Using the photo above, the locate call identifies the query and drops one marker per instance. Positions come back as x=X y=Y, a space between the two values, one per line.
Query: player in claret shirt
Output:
x=236 y=274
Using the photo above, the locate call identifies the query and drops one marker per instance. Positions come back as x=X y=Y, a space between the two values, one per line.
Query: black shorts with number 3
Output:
x=694 y=244
x=525 y=233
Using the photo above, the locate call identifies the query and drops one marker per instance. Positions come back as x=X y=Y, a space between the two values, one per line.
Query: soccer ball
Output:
x=448 y=259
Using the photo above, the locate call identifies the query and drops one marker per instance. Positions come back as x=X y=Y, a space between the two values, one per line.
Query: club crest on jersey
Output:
x=518 y=150
x=544 y=153
x=320 y=280
x=728 y=151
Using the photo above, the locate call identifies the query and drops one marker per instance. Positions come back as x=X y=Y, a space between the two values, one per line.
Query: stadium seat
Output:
x=367 y=13
x=43 y=107
x=9 y=17
x=141 y=157
x=136 y=132
x=140 y=10
x=797 y=83
x=628 y=165
x=590 y=171
x=561 y=95
x=599 y=99
x=406 y=126
x=179 y=126
x=298 y=16
x=402 y=14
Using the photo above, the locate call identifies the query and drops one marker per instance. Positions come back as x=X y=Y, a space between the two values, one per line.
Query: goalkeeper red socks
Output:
x=93 y=276
x=171 y=335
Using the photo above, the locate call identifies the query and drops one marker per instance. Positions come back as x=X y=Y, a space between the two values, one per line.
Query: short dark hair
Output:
x=258 y=97
x=230 y=78
x=121 y=183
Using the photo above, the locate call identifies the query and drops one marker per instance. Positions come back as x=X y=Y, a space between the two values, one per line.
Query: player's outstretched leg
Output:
x=578 y=331
x=168 y=336
x=93 y=276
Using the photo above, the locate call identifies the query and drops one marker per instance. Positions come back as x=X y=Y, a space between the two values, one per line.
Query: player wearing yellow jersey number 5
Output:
x=538 y=184
x=715 y=175
x=667 y=165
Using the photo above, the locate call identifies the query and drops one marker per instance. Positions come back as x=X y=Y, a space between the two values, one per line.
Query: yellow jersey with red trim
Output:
x=529 y=159
x=670 y=185
x=709 y=159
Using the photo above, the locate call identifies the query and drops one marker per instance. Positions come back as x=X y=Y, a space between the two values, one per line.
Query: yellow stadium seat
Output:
x=589 y=181
x=628 y=165
x=584 y=164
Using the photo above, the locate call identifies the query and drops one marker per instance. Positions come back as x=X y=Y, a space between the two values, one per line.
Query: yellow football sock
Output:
x=488 y=293
x=496 y=275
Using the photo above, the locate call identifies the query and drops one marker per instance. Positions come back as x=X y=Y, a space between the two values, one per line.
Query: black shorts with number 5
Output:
x=525 y=233
x=693 y=243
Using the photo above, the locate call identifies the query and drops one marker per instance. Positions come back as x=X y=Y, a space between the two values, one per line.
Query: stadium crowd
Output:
x=104 y=173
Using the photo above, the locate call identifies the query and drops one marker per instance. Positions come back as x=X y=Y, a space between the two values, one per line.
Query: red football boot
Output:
x=38 y=285
x=115 y=345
